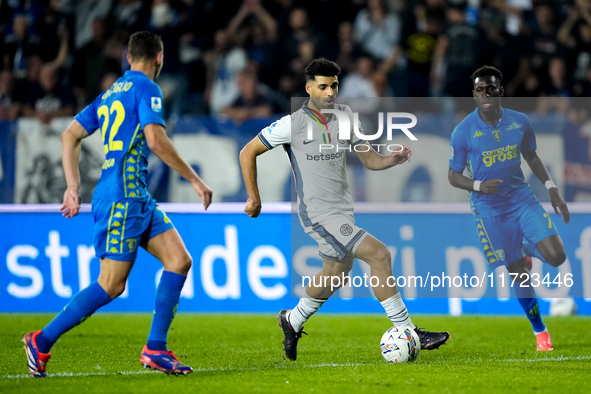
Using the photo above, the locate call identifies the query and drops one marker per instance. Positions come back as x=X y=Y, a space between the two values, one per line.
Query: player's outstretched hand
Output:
x=490 y=186
x=204 y=192
x=559 y=205
x=71 y=205
x=402 y=156
x=252 y=208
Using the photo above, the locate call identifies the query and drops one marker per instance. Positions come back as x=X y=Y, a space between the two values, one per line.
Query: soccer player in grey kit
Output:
x=325 y=204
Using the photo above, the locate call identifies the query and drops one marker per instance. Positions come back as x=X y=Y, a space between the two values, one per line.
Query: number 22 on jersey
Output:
x=104 y=111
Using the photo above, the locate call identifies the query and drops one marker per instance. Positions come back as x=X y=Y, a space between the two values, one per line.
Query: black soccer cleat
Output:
x=290 y=337
x=431 y=340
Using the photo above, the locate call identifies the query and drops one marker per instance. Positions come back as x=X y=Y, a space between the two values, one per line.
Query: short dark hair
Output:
x=322 y=67
x=487 y=71
x=144 y=45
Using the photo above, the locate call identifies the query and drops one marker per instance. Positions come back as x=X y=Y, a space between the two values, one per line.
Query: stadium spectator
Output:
x=544 y=41
x=89 y=65
x=418 y=48
x=166 y=21
x=347 y=49
x=49 y=99
x=516 y=12
x=24 y=85
x=462 y=48
x=575 y=35
x=359 y=83
x=9 y=108
x=302 y=44
x=19 y=45
x=54 y=34
x=108 y=80
x=85 y=13
x=124 y=18
x=258 y=37
x=558 y=83
x=224 y=61
x=30 y=9
x=250 y=104
x=377 y=30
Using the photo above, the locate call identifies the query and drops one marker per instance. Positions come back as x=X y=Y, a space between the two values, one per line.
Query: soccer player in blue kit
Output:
x=129 y=116
x=511 y=223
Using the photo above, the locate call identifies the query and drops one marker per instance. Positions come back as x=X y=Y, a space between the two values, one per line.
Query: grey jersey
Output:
x=319 y=169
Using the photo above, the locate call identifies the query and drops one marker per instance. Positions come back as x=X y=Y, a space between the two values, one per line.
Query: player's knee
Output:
x=383 y=257
x=183 y=264
x=115 y=289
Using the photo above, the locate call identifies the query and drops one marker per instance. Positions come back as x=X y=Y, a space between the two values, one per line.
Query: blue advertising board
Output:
x=255 y=265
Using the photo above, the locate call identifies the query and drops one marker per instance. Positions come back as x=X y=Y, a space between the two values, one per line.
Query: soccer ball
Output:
x=400 y=345
x=563 y=307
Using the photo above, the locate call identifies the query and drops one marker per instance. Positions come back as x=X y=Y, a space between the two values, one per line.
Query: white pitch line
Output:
x=325 y=365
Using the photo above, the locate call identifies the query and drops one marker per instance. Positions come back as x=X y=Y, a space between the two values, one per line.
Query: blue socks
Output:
x=529 y=303
x=532 y=251
x=80 y=307
x=167 y=301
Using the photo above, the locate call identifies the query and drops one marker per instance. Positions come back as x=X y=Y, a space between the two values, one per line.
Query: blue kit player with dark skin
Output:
x=129 y=117
x=511 y=223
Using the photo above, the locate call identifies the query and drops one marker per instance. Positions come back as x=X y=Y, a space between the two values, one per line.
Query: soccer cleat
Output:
x=290 y=337
x=36 y=360
x=527 y=262
x=163 y=360
x=431 y=340
x=544 y=342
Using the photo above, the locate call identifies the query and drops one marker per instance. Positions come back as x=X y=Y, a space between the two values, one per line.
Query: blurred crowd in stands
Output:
x=243 y=59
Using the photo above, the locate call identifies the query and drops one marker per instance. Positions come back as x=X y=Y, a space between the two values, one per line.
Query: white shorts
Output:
x=338 y=237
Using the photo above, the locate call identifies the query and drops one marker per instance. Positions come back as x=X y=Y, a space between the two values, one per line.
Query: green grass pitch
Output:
x=242 y=353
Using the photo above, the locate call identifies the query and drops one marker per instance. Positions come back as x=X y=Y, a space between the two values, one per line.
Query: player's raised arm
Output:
x=71 y=146
x=374 y=161
x=541 y=172
x=248 y=163
x=162 y=146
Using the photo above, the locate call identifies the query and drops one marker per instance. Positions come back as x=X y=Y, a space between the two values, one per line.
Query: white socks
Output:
x=302 y=312
x=397 y=312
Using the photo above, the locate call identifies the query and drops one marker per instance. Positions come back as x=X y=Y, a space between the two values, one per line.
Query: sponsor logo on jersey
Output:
x=156 y=104
x=478 y=134
x=513 y=126
x=497 y=135
x=505 y=153
x=308 y=142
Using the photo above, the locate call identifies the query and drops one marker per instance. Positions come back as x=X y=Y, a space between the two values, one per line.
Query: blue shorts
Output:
x=501 y=236
x=121 y=226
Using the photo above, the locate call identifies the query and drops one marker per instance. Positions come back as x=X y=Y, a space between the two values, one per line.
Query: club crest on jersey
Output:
x=156 y=104
x=131 y=245
x=346 y=230
x=500 y=254
x=497 y=135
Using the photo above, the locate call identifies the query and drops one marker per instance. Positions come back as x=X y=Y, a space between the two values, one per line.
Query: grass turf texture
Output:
x=243 y=353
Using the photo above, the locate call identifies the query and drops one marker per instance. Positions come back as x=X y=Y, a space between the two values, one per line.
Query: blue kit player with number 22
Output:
x=129 y=116
x=511 y=223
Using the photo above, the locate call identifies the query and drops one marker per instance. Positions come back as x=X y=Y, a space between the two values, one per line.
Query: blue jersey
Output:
x=493 y=152
x=121 y=113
